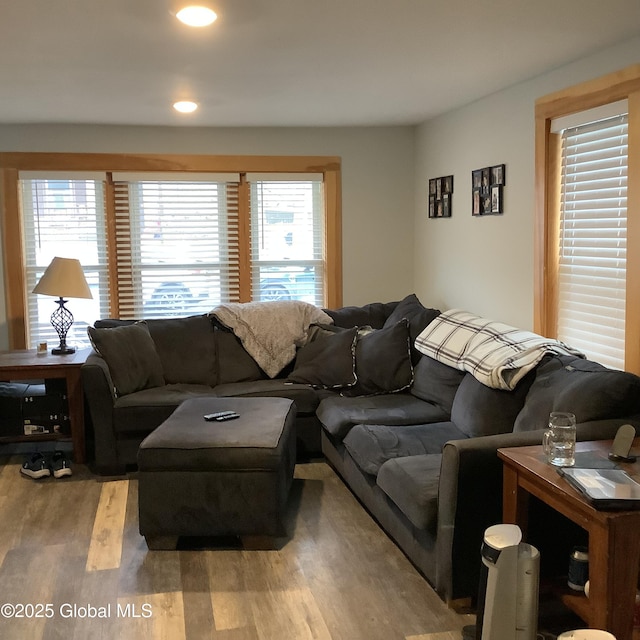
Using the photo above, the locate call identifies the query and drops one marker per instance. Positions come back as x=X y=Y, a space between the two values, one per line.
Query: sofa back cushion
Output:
x=187 y=349
x=436 y=383
x=131 y=355
x=479 y=410
x=585 y=388
x=234 y=363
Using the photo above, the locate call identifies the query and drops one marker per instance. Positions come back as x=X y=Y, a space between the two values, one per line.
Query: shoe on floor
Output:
x=36 y=467
x=60 y=465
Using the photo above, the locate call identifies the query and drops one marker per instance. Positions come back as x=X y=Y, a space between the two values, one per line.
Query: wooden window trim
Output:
x=11 y=163
x=624 y=84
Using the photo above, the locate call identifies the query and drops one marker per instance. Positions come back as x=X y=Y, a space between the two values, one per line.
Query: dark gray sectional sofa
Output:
x=414 y=439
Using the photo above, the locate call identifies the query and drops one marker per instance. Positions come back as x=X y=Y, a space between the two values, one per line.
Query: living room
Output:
x=390 y=248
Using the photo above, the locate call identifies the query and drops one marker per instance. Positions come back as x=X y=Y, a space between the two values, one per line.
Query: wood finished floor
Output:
x=73 y=544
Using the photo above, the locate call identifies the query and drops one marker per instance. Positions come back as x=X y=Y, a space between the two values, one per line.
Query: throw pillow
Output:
x=328 y=360
x=383 y=360
x=131 y=355
x=418 y=316
x=373 y=314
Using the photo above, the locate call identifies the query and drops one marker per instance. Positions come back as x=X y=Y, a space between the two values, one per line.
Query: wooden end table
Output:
x=26 y=364
x=614 y=536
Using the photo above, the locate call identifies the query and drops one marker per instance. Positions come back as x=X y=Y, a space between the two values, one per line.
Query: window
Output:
x=175 y=244
x=593 y=239
x=287 y=240
x=64 y=216
x=170 y=244
x=587 y=219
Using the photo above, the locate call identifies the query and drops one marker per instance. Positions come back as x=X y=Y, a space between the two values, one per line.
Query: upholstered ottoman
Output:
x=199 y=478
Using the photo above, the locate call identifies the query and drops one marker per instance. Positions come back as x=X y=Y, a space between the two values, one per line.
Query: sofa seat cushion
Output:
x=412 y=484
x=371 y=445
x=339 y=414
x=143 y=411
x=585 y=388
x=304 y=396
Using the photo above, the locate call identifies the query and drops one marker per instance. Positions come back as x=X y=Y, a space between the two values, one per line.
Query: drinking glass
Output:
x=559 y=440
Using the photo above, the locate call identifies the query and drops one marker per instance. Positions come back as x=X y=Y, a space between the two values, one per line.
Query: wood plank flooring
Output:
x=71 y=551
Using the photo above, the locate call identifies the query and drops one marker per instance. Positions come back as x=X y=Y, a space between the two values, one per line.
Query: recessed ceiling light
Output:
x=185 y=106
x=196 y=16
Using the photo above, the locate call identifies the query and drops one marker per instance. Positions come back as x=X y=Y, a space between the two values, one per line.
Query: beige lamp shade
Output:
x=64 y=278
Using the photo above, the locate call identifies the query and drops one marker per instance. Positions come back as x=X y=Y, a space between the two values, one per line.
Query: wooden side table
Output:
x=614 y=536
x=27 y=365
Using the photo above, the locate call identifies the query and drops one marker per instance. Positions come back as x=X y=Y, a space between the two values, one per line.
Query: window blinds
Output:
x=155 y=245
x=64 y=217
x=592 y=252
x=176 y=246
x=287 y=238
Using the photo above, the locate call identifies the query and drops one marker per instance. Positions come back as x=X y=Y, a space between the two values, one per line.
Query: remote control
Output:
x=229 y=416
x=215 y=416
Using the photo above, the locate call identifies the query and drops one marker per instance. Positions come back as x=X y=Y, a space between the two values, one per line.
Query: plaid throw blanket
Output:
x=496 y=354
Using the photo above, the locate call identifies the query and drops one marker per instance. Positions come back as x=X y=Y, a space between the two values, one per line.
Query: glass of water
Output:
x=559 y=440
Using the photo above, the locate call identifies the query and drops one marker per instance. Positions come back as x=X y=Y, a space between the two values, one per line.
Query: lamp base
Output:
x=63 y=350
x=62 y=319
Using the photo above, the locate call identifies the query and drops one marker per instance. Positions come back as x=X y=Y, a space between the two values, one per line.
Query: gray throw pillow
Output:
x=328 y=361
x=131 y=355
x=418 y=316
x=383 y=361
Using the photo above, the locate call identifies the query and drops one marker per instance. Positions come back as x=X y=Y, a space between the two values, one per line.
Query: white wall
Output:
x=377 y=184
x=485 y=264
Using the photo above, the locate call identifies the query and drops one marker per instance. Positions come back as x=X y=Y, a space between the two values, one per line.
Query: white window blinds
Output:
x=64 y=217
x=592 y=252
x=173 y=244
x=287 y=238
x=176 y=246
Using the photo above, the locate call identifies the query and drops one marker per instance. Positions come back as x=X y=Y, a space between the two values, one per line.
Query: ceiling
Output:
x=286 y=62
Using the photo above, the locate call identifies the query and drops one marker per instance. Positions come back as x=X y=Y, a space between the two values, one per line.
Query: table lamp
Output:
x=63 y=278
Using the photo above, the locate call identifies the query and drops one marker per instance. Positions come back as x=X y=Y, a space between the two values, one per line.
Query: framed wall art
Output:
x=440 y=190
x=487 y=190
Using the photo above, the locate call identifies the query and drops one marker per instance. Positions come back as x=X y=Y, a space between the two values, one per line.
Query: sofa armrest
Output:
x=100 y=394
x=470 y=500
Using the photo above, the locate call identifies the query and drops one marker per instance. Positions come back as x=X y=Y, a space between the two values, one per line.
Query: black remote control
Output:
x=219 y=414
x=229 y=416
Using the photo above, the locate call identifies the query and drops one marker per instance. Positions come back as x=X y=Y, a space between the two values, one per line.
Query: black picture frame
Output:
x=440 y=200
x=476 y=209
x=496 y=198
x=498 y=175
x=487 y=190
